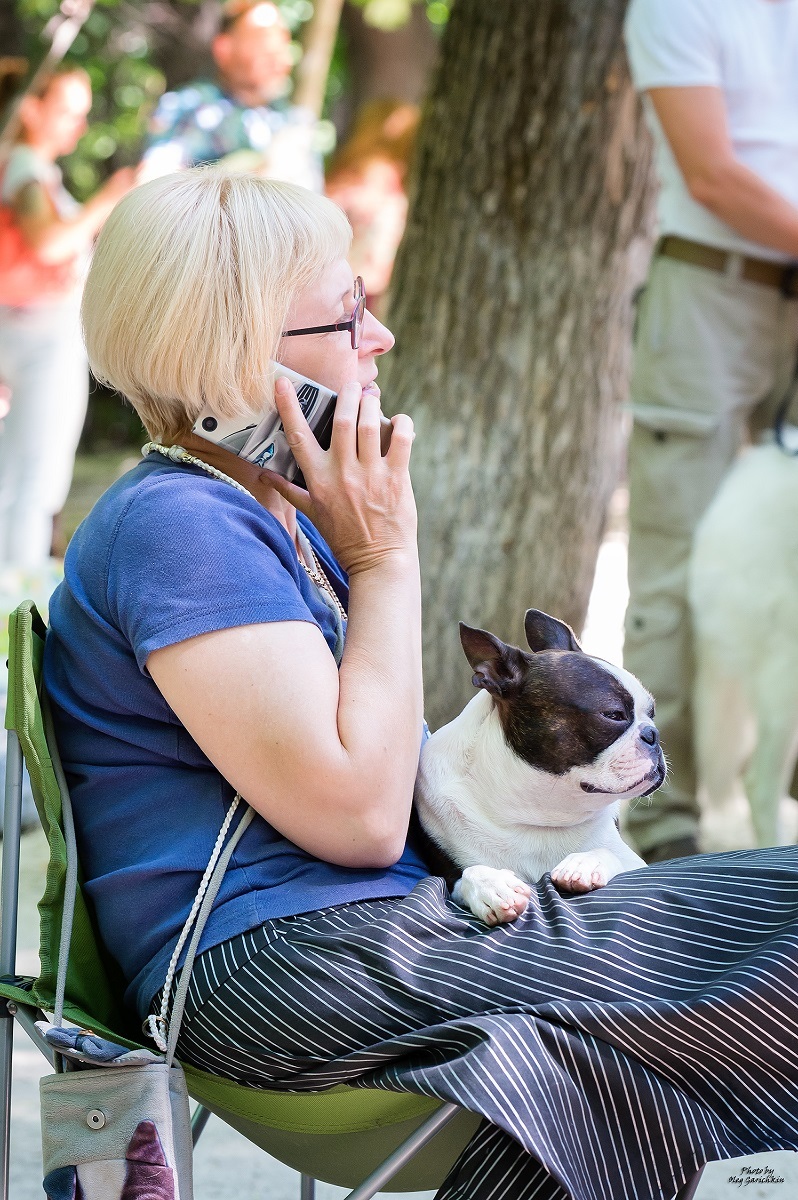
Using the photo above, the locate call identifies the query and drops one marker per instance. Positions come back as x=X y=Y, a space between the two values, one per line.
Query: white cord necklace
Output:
x=314 y=571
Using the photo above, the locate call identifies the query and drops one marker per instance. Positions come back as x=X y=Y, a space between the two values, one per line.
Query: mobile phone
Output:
x=263 y=441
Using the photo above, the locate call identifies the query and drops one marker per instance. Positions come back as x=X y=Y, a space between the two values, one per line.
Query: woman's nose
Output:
x=375 y=338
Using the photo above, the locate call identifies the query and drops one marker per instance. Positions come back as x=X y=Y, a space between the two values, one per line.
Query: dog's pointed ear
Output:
x=498 y=668
x=547 y=633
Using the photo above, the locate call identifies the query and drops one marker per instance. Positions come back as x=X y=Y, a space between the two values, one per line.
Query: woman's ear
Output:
x=498 y=668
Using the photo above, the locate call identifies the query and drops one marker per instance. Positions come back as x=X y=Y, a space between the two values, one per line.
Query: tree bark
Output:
x=179 y=33
x=511 y=305
x=318 y=43
x=383 y=64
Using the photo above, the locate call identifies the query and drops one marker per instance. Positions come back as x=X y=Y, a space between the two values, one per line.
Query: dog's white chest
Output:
x=486 y=807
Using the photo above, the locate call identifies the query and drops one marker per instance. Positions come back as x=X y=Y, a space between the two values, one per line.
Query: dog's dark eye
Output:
x=615 y=714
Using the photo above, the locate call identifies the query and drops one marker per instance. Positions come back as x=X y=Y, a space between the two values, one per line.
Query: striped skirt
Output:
x=613 y=1042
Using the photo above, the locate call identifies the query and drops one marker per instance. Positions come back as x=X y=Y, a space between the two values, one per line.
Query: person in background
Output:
x=240 y=118
x=717 y=332
x=42 y=360
x=367 y=179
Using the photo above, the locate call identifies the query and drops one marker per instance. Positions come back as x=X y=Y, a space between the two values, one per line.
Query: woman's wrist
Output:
x=389 y=564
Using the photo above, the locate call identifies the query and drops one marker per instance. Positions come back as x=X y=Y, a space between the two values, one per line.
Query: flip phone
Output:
x=263 y=441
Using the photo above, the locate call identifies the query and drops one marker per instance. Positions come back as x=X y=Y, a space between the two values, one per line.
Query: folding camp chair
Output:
x=366 y=1140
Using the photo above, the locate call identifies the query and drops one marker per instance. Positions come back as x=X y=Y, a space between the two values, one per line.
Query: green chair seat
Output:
x=338 y=1136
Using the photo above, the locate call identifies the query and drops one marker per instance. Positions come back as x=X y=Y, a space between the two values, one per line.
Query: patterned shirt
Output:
x=202 y=124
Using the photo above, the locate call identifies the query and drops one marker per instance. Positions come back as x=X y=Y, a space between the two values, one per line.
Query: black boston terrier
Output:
x=528 y=779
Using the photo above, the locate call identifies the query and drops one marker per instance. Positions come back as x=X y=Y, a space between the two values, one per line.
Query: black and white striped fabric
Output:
x=614 y=1042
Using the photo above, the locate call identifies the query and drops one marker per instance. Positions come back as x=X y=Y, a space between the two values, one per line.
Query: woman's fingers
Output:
x=402 y=437
x=291 y=492
x=368 y=429
x=304 y=447
x=359 y=500
x=343 y=443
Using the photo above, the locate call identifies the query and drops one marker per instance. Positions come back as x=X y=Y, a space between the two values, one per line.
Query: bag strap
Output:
x=197 y=918
x=164 y=1030
x=214 y=884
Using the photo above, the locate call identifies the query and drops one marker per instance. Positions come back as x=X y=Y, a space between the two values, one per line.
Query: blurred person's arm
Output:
x=694 y=121
x=57 y=239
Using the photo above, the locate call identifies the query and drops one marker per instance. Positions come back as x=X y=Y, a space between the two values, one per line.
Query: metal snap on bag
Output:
x=109 y=1131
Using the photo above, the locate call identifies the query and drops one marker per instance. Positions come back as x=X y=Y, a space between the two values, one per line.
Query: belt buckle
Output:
x=789 y=281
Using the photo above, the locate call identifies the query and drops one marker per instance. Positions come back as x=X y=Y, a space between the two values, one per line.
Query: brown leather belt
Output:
x=732 y=264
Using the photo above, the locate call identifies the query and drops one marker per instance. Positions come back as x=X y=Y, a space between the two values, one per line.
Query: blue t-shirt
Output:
x=166 y=554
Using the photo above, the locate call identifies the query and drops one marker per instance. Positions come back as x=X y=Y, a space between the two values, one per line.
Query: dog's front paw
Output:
x=492 y=895
x=586 y=871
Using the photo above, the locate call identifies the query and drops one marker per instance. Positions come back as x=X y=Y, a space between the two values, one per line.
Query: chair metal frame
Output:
x=27 y=1015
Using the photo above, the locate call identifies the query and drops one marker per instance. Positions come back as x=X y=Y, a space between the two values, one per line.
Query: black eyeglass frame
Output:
x=353 y=324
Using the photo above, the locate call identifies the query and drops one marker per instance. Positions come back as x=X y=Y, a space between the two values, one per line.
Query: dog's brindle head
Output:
x=566 y=713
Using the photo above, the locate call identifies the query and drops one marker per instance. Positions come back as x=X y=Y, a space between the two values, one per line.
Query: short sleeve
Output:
x=189 y=560
x=24 y=167
x=672 y=43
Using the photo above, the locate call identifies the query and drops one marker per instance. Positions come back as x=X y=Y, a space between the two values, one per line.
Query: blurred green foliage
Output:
x=135 y=49
x=391 y=14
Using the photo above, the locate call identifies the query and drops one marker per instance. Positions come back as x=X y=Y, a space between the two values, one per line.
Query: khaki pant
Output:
x=713 y=358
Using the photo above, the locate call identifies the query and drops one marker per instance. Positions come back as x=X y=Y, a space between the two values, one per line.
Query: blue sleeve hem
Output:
x=214 y=620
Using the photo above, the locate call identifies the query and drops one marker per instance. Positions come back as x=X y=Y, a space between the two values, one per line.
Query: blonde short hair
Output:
x=190 y=286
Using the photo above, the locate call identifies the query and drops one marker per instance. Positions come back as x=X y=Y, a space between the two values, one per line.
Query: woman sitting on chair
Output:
x=220 y=630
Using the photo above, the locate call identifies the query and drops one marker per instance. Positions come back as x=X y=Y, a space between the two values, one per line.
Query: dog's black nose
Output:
x=649 y=735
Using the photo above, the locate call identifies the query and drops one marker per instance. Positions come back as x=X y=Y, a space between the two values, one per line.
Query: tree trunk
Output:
x=318 y=43
x=383 y=64
x=511 y=305
x=179 y=33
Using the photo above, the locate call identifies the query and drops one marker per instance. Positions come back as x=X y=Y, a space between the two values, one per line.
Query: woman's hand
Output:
x=361 y=503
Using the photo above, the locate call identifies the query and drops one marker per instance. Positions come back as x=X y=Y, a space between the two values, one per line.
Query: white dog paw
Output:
x=492 y=895
x=586 y=871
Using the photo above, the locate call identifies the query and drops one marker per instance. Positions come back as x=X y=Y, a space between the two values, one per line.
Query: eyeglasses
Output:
x=354 y=323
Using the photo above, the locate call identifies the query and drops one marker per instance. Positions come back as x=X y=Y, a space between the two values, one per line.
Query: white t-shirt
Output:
x=748 y=49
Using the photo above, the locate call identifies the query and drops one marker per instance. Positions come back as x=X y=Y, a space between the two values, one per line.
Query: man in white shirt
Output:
x=717 y=336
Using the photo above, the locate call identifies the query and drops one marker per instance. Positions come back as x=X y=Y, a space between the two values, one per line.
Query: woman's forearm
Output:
x=380 y=708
